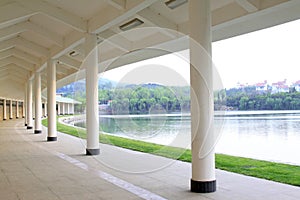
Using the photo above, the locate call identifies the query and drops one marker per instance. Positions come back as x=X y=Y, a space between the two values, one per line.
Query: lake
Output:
x=265 y=135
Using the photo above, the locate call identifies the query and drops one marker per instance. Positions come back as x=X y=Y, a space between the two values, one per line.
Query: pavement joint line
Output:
x=138 y=191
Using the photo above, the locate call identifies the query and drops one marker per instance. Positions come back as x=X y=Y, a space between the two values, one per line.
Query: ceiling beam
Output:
x=118 y=4
x=61 y=70
x=7 y=44
x=26 y=56
x=18 y=73
x=6 y=53
x=245 y=4
x=4 y=62
x=116 y=40
x=22 y=63
x=32 y=46
x=70 y=62
x=9 y=31
x=46 y=33
x=15 y=67
x=57 y=13
x=13 y=13
x=19 y=54
x=156 y=19
x=16 y=79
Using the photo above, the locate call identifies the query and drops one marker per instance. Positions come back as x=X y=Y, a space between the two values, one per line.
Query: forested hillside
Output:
x=154 y=98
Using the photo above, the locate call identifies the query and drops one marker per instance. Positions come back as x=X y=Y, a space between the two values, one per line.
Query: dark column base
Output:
x=17 y=117
x=23 y=117
x=4 y=119
x=37 y=131
x=91 y=152
x=25 y=124
x=203 y=187
x=29 y=127
x=10 y=118
x=51 y=139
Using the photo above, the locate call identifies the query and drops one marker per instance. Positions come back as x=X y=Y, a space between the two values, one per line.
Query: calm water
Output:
x=271 y=136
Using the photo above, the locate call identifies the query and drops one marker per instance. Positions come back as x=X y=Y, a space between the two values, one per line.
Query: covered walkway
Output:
x=31 y=168
x=48 y=44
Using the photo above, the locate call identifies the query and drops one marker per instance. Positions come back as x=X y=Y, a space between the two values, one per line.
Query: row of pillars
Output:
x=203 y=166
x=11 y=109
x=65 y=108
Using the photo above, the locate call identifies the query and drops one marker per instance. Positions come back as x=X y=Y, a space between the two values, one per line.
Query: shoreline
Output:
x=284 y=173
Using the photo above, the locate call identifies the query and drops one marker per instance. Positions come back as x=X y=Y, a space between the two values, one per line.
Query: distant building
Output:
x=105 y=108
x=296 y=85
x=261 y=87
x=280 y=86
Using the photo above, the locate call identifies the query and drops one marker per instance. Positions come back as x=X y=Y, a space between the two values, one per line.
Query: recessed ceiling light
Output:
x=73 y=53
x=131 y=24
x=175 y=3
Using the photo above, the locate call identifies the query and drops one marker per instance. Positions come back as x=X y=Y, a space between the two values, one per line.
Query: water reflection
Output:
x=274 y=137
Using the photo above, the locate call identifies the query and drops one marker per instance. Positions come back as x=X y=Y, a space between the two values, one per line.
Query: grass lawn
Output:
x=282 y=173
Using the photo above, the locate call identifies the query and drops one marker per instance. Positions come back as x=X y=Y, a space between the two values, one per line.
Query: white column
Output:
x=58 y=108
x=4 y=109
x=10 y=110
x=72 y=109
x=33 y=102
x=92 y=120
x=45 y=109
x=203 y=156
x=38 y=104
x=25 y=104
x=67 y=112
x=51 y=100
x=29 y=105
x=63 y=109
x=23 y=109
x=17 y=109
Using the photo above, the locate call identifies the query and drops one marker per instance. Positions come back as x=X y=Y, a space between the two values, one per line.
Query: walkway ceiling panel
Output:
x=17 y=68
x=75 y=7
x=26 y=56
x=12 y=13
x=56 y=13
x=11 y=89
x=37 y=39
x=50 y=24
x=32 y=48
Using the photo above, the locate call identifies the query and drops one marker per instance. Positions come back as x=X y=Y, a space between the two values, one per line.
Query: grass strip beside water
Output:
x=283 y=173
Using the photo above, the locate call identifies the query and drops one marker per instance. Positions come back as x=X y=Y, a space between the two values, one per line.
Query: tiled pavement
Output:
x=31 y=168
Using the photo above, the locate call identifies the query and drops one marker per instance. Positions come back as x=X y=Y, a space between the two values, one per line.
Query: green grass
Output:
x=283 y=173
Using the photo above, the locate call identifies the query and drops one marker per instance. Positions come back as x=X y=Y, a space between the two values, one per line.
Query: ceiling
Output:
x=34 y=31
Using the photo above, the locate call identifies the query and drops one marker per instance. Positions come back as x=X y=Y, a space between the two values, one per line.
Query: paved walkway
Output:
x=33 y=169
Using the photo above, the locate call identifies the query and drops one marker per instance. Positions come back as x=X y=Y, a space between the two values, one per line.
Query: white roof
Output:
x=62 y=99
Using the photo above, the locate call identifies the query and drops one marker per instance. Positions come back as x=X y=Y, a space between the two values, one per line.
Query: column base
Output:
x=37 y=131
x=10 y=118
x=203 y=186
x=4 y=119
x=29 y=127
x=91 y=152
x=17 y=117
x=25 y=124
x=51 y=139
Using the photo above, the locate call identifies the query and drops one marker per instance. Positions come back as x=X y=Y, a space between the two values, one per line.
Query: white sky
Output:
x=271 y=54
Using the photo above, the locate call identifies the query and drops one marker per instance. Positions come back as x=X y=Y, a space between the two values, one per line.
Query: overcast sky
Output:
x=271 y=54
